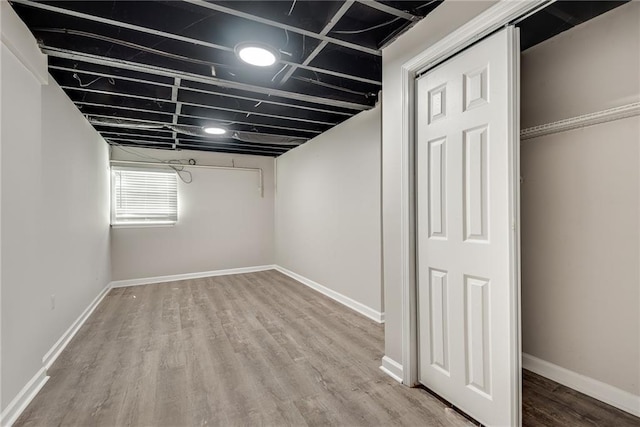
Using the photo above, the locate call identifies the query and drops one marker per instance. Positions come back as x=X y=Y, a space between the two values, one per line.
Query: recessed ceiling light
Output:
x=213 y=130
x=257 y=54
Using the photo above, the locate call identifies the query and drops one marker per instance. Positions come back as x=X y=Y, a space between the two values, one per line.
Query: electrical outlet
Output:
x=53 y=301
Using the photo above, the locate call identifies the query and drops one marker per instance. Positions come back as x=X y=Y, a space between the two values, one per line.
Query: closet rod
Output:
x=173 y=165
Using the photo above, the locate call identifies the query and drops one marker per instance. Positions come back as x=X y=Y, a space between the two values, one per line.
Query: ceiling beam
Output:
x=193 y=104
x=208 y=92
x=180 y=145
x=227 y=140
x=136 y=132
x=332 y=22
x=250 y=152
x=167 y=72
x=146 y=30
x=210 y=144
x=135 y=135
x=240 y=14
x=190 y=116
x=244 y=144
x=390 y=10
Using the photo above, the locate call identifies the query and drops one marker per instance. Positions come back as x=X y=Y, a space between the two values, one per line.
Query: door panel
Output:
x=468 y=333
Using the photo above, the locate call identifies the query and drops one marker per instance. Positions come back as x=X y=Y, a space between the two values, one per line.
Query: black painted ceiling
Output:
x=561 y=16
x=154 y=73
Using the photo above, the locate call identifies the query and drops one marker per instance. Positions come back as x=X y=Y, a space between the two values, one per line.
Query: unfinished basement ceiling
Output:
x=155 y=73
x=561 y=16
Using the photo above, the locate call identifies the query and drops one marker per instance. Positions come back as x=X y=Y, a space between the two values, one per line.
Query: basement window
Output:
x=143 y=197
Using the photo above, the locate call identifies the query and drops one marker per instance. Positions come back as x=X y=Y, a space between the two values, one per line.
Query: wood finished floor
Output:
x=251 y=349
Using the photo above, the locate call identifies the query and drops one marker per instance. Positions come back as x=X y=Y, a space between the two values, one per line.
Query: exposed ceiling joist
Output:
x=117 y=134
x=146 y=79
x=390 y=10
x=211 y=119
x=166 y=72
x=123 y=131
x=145 y=122
x=188 y=89
x=255 y=18
x=212 y=144
x=177 y=37
x=194 y=104
x=332 y=22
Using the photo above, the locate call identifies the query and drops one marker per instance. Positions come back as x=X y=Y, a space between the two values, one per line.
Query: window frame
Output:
x=142 y=222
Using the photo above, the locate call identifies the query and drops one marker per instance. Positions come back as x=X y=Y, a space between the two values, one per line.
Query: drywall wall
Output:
x=55 y=198
x=328 y=209
x=443 y=20
x=589 y=68
x=223 y=222
x=580 y=202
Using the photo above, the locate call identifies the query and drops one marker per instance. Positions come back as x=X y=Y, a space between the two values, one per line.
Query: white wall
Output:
x=54 y=199
x=222 y=220
x=443 y=20
x=328 y=209
x=580 y=202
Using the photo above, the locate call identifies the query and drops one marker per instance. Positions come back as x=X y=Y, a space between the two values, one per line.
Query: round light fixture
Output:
x=257 y=54
x=213 y=130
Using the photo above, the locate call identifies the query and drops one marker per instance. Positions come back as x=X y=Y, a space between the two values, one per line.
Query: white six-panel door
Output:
x=467 y=289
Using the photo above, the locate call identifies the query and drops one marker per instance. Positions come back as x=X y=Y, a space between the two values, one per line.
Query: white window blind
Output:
x=143 y=196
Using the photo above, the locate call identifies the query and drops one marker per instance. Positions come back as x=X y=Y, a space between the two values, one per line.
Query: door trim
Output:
x=484 y=24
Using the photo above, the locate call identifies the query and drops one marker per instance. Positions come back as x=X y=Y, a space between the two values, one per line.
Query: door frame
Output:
x=501 y=14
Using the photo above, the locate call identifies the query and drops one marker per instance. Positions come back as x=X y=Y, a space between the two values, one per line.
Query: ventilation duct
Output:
x=262 y=138
x=123 y=123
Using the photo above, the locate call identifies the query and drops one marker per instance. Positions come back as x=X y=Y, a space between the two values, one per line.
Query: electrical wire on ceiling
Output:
x=77 y=77
x=281 y=50
x=293 y=4
x=177 y=165
x=278 y=73
x=364 y=30
x=427 y=4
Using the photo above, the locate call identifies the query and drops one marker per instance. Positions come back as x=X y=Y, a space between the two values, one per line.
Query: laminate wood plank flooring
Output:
x=547 y=403
x=250 y=349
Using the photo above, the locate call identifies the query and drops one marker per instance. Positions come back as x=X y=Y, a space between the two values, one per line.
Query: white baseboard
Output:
x=23 y=398
x=60 y=345
x=29 y=391
x=186 y=276
x=342 y=299
x=392 y=368
x=608 y=394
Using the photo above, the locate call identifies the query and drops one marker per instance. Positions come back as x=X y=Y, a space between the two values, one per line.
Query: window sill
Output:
x=144 y=225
